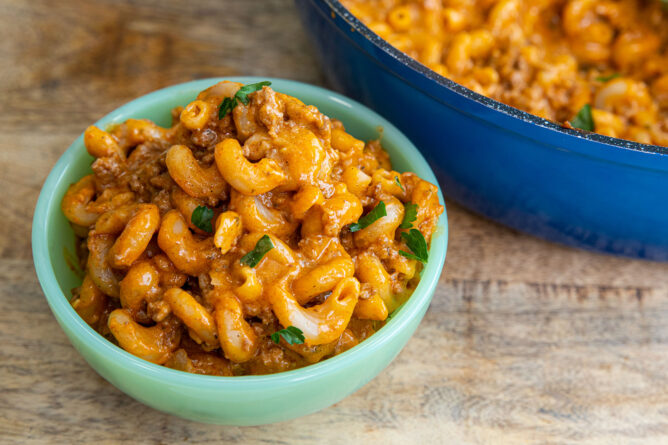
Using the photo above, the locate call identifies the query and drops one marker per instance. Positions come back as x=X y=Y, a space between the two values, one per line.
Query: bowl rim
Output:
x=356 y=25
x=65 y=314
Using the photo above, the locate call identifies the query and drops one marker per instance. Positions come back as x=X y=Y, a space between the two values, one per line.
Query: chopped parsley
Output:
x=253 y=257
x=584 y=119
x=201 y=218
x=396 y=179
x=410 y=215
x=607 y=78
x=417 y=244
x=229 y=103
x=291 y=335
x=226 y=106
x=378 y=212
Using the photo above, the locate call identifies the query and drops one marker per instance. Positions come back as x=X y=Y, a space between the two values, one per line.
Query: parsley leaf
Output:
x=418 y=245
x=584 y=119
x=410 y=215
x=241 y=95
x=291 y=334
x=253 y=257
x=378 y=212
x=201 y=218
x=396 y=179
x=245 y=90
x=226 y=106
x=608 y=78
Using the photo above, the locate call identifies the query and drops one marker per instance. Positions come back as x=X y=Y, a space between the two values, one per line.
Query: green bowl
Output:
x=247 y=400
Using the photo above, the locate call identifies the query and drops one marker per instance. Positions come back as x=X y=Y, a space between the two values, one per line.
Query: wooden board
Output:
x=526 y=342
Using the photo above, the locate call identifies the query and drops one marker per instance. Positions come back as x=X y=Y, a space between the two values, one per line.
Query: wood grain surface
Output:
x=526 y=342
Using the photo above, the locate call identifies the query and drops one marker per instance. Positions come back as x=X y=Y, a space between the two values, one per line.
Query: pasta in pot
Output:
x=253 y=236
x=596 y=65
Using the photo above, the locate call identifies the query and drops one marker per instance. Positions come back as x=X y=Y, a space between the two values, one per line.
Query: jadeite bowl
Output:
x=248 y=400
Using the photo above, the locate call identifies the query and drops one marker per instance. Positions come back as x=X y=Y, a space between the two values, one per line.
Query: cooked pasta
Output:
x=548 y=57
x=253 y=236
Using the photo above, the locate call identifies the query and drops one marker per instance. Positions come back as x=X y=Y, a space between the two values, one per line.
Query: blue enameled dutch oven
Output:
x=584 y=190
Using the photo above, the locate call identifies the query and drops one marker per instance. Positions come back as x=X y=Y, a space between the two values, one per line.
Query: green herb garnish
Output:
x=291 y=334
x=378 y=212
x=396 y=179
x=253 y=257
x=229 y=103
x=608 y=78
x=226 y=106
x=201 y=218
x=410 y=215
x=418 y=245
x=584 y=119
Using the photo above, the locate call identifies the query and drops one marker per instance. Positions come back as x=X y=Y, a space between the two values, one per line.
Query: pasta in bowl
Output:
x=199 y=265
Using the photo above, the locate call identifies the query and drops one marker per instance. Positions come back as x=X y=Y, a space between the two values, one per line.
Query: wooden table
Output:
x=525 y=342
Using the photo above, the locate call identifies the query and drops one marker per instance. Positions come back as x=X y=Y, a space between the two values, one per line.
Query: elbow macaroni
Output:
x=172 y=291
x=548 y=58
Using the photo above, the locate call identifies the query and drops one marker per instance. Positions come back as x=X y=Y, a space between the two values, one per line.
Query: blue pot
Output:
x=584 y=190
